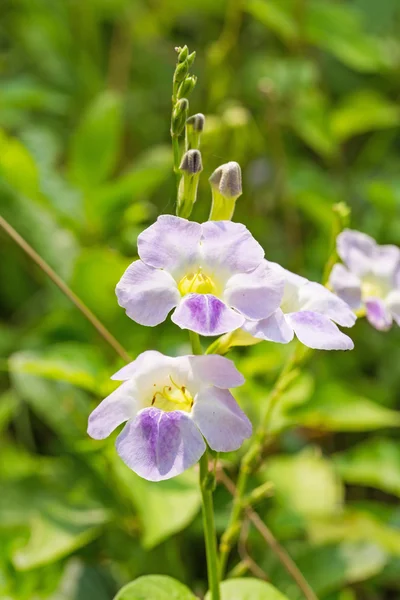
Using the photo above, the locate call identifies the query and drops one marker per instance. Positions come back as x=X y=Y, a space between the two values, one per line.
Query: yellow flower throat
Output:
x=196 y=283
x=173 y=397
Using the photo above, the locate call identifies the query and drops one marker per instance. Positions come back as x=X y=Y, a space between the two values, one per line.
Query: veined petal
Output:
x=147 y=294
x=356 y=249
x=220 y=420
x=215 y=370
x=205 y=314
x=315 y=297
x=378 y=314
x=273 y=329
x=317 y=331
x=346 y=285
x=117 y=408
x=393 y=304
x=170 y=242
x=231 y=246
x=159 y=445
x=256 y=294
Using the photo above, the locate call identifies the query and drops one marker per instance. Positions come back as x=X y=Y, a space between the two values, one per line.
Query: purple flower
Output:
x=171 y=405
x=212 y=274
x=308 y=310
x=371 y=282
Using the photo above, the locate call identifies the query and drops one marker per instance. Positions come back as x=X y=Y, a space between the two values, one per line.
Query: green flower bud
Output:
x=191 y=167
x=182 y=53
x=181 y=71
x=187 y=86
x=190 y=59
x=194 y=127
x=226 y=186
x=197 y=122
x=179 y=116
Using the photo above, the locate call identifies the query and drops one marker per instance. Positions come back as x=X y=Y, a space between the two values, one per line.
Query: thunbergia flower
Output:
x=171 y=405
x=371 y=282
x=213 y=275
x=309 y=311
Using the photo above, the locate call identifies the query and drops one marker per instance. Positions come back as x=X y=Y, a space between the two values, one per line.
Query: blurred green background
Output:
x=304 y=95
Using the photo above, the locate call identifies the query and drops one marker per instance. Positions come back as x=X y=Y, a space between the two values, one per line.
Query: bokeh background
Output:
x=304 y=94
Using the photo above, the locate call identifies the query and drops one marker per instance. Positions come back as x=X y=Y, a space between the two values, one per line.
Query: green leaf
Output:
x=95 y=144
x=374 y=463
x=164 y=507
x=363 y=111
x=335 y=408
x=276 y=15
x=248 y=589
x=155 y=587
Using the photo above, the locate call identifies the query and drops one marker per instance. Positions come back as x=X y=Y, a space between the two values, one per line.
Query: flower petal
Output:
x=315 y=297
x=169 y=242
x=256 y=294
x=146 y=361
x=147 y=294
x=205 y=314
x=356 y=249
x=393 y=304
x=346 y=285
x=386 y=262
x=220 y=420
x=216 y=370
x=378 y=314
x=273 y=329
x=317 y=331
x=159 y=445
x=117 y=408
x=231 y=245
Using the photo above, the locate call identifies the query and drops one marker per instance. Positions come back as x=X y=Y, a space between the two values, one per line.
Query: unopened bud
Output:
x=197 y=122
x=182 y=53
x=226 y=186
x=191 y=162
x=190 y=59
x=179 y=116
x=187 y=86
x=181 y=71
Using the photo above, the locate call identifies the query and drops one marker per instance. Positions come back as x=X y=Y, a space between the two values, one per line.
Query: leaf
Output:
x=165 y=507
x=95 y=144
x=334 y=408
x=248 y=589
x=374 y=463
x=306 y=483
x=155 y=587
x=276 y=15
x=309 y=120
x=15 y=160
x=80 y=582
x=363 y=111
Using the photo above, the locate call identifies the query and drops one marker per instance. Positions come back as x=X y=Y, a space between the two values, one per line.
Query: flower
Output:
x=212 y=274
x=371 y=282
x=308 y=310
x=169 y=405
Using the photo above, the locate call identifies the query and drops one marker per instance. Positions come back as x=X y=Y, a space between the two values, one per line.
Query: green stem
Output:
x=195 y=341
x=209 y=528
x=251 y=457
x=177 y=158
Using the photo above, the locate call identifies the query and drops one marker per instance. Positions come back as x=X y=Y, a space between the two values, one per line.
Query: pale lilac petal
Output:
x=317 y=331
x=315 y=297
x=378 y=314
x=146 y=361
x=147 y=294
x=220 y=420
x=170 y=242
x=230 y=245
x=205 y=314
x=393 y=304
x=117 y=408
x=273 y=329
x=346 y=285
x=256 y=294
x=386 y=262
x=356 y=249
x=159 y=445
x=216 y=370
x=291 y=278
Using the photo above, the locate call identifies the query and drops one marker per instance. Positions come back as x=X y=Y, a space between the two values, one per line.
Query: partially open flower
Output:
x=213 y=275
x=308 y=310
x=171 y=405
x=371 y=282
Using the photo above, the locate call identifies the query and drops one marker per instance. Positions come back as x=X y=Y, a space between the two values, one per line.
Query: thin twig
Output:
x=244 y=554
x=272 y=542
x=42 y=264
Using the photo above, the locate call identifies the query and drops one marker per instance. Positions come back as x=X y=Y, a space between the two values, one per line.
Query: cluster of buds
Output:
x=182 y=86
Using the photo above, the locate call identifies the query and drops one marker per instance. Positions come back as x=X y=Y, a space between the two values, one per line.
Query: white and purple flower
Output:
x=171 y=405
x=212 y=274
x=371 y=282
x=309 y=311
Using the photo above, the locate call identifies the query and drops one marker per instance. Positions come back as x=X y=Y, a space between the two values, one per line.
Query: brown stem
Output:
x=105 y=334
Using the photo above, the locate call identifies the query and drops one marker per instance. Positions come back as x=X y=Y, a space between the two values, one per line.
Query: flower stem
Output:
x=206 y=485
x=195 y=341
x=251 y=457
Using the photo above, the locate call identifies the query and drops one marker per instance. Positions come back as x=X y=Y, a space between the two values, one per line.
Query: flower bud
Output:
x=179 y=115
x=191 y=167
x=197 y=122
x=226 y=186
x=190 y=59
x=182 y=53
x=187 y=86
x=181 y=71
x=191 y=162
